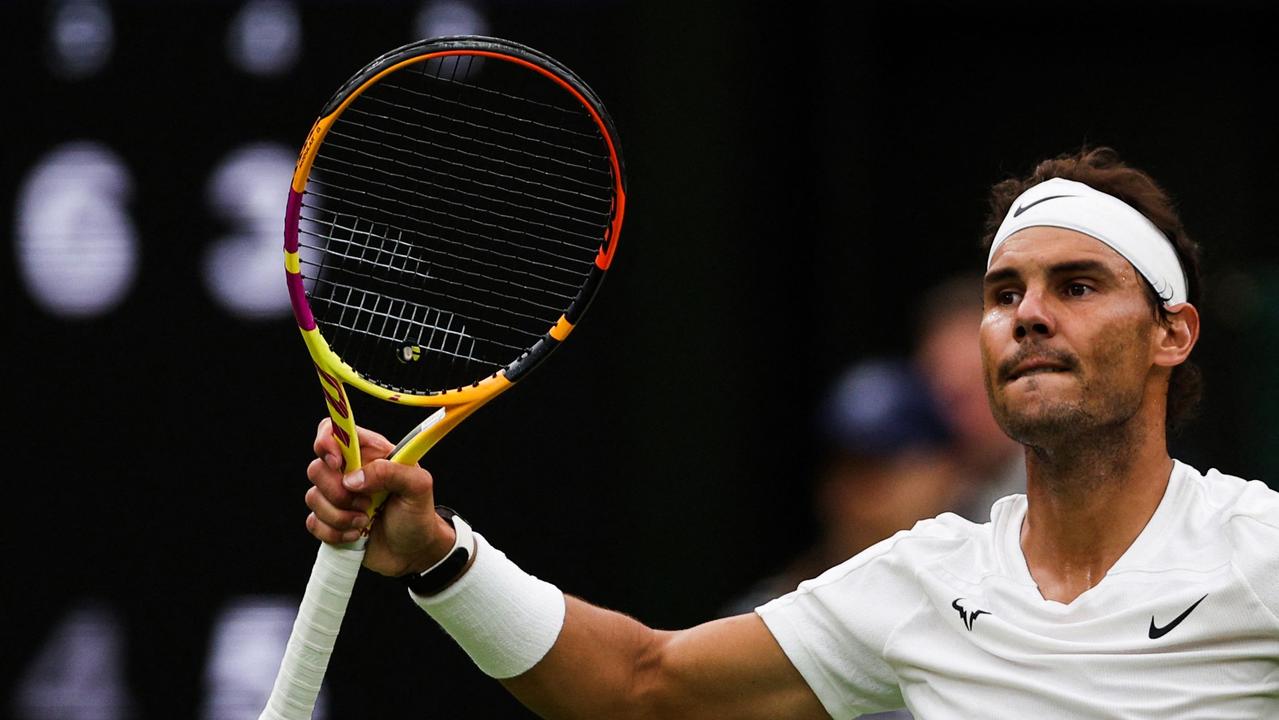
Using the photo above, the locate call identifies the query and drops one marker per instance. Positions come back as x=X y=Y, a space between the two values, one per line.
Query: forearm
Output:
x=562 y=657
x=567 y=659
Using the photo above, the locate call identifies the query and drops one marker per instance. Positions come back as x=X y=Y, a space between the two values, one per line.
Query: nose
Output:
x=1034 y=317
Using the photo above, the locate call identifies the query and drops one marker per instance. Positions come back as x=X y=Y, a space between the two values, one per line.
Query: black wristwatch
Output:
x=443 y=573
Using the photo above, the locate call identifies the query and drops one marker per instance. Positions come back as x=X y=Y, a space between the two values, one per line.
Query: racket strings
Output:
x=413 y=328
x=508 y=286
x=450 y=219
x=553 y=261
x=555 y=284
x=403 y=277
x=468 y=65
x=576 y=231
x=399 y=321
x=364 y=314
x=484 y=257
x=548 y=145
x=441 y=179
x=561 y=290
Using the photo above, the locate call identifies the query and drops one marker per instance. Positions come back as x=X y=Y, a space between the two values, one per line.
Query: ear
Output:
x=1176 y=337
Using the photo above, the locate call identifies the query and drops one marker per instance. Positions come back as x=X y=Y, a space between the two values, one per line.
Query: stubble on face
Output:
x=1096 y=410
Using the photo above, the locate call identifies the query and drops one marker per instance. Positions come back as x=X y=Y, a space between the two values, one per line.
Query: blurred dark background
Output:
x=799 y=174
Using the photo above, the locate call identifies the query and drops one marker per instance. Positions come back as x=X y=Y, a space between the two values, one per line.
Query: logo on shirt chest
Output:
x=1157 y=631
x=967 y=613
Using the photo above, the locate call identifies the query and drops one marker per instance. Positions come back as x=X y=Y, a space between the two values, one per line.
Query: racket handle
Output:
x=306 y=657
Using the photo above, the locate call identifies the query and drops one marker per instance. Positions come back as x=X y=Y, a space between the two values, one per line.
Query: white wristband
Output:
x=504 y=618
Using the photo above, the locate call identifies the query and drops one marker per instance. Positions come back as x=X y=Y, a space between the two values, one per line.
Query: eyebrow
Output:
x=1072 y=267
x=997 y=276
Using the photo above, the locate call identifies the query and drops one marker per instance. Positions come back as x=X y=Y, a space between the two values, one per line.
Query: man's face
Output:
x=1067 y=336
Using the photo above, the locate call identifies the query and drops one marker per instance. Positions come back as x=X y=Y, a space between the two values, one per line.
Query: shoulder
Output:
x=1245 y=513
x=1228 y=499
x=904 y=553
x=835 y=627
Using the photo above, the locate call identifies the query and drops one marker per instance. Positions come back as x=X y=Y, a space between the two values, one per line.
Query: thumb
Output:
x=410 y=482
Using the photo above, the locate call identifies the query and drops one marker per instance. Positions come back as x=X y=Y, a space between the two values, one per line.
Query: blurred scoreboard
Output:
x=159 y=124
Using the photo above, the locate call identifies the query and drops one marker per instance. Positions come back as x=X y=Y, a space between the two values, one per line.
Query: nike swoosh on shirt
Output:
x=1024 y=208
x=1157 y=632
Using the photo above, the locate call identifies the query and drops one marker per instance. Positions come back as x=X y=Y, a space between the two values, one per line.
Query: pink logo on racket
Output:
x=338 y=400
x=337 y=403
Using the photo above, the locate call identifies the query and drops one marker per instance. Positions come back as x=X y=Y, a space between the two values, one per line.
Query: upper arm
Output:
x=729 y=668
x=605 y=664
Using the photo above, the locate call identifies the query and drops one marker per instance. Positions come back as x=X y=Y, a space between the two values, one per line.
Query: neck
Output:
x=1088 y=500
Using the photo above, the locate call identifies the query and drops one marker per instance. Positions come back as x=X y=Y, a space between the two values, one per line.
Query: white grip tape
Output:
x=504 y=618
x=316 y=629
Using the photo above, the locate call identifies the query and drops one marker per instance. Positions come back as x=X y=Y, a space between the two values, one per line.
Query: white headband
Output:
x=1076 y=206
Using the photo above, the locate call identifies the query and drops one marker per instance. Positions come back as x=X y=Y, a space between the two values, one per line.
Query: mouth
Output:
x=1037 y=371
x=1030 y=368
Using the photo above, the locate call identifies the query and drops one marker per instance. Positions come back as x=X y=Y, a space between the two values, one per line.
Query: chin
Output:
x=1040 y=423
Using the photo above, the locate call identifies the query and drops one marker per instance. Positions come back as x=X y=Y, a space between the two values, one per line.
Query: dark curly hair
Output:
x=1101 y=169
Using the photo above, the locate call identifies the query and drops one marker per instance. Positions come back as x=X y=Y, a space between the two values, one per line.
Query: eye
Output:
x=1078 y=289
x=1007 y=297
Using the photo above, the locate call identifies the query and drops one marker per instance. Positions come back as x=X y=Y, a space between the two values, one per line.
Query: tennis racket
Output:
x=452 y=214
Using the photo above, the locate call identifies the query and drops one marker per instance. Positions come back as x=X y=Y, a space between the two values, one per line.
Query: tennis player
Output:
x=1123 y=584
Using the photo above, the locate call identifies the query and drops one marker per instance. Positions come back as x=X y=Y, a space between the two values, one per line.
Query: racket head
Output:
x=452 y=214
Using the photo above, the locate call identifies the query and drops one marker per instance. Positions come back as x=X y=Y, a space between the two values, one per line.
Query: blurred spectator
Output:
x=887 y=465
x=989 y=464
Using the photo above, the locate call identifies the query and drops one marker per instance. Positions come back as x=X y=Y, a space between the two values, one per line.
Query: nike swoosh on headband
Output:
x=1024 y=208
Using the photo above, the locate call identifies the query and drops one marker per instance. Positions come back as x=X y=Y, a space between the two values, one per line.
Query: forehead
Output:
x=1038 y=249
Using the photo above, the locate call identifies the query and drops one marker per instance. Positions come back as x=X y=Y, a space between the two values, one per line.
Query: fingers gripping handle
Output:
x=316 y=629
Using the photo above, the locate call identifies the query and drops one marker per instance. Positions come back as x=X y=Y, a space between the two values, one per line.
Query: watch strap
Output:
x=452 y=565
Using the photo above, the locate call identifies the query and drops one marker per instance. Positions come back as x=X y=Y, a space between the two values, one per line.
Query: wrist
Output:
x=505 y=619
x=443 y=538
x=452 y=553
